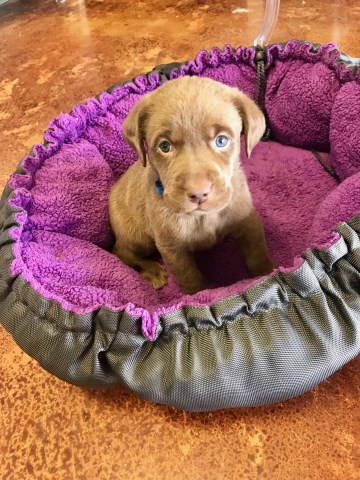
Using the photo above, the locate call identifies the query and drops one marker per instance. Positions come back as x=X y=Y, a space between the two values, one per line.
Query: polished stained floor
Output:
x=54 y=54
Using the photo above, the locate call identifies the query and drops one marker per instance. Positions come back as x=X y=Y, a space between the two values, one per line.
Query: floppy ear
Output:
x=253 y=120
x=134 y=129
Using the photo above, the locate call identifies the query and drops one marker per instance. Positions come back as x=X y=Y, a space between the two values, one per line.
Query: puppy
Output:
x=187 y=190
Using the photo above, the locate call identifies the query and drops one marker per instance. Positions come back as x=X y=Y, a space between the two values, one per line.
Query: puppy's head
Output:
x=189 y=131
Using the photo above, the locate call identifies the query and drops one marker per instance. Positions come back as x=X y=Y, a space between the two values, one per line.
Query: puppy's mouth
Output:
x=203 y=210
x=188 y=208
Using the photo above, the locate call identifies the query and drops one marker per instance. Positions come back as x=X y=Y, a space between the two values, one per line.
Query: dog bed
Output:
x=93 y=321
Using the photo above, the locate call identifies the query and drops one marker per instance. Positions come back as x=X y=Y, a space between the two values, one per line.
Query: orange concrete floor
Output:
x=54 y=54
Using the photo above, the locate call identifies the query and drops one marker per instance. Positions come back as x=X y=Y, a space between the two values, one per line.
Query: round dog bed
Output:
x=93 y=321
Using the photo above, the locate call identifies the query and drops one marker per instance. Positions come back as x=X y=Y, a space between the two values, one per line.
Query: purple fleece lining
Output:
x=64 y=231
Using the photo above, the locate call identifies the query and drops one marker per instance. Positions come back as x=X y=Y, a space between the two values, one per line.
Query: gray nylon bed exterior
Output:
x=276 y=341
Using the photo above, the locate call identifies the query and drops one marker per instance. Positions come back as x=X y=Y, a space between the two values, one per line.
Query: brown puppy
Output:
x=187 y=136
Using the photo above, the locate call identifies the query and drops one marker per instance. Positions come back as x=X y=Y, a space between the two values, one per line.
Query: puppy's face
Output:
x=189 y=131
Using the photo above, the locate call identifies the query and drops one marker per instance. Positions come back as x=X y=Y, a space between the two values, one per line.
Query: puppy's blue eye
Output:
x=221 y=141
x=165 y=146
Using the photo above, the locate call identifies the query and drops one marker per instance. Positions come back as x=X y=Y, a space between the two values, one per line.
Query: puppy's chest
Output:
x=203 y=231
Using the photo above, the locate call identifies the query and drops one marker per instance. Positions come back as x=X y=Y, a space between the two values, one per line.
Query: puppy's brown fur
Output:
x=205 y=191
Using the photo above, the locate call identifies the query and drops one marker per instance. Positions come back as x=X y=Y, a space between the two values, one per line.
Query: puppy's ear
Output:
x=134 y=129
x=253 y=120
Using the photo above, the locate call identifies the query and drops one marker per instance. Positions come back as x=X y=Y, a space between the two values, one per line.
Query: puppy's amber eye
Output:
x=165 y=146
x=221 y=141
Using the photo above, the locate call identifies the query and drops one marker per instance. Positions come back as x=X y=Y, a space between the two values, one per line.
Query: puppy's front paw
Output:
x=192 y=289
x=155 y=274
x=261 y=267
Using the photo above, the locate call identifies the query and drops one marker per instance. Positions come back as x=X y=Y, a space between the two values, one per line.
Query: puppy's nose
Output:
x=200 y=195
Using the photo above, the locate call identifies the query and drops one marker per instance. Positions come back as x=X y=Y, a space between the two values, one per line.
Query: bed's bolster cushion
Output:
x=70 y=195
x=299 y=99
x=340 y=205
x=345 y=130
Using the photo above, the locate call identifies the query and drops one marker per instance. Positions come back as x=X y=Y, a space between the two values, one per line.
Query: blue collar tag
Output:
x=159 y=187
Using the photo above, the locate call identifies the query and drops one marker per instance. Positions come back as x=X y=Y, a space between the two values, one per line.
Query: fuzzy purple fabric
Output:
x=63 y=195
x=299 y=101
x=345 y=130
x=64 y=233
x=340 y=205
x=287 y=205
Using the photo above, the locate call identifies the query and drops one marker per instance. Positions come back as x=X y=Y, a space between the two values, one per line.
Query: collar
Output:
x=159 y=186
